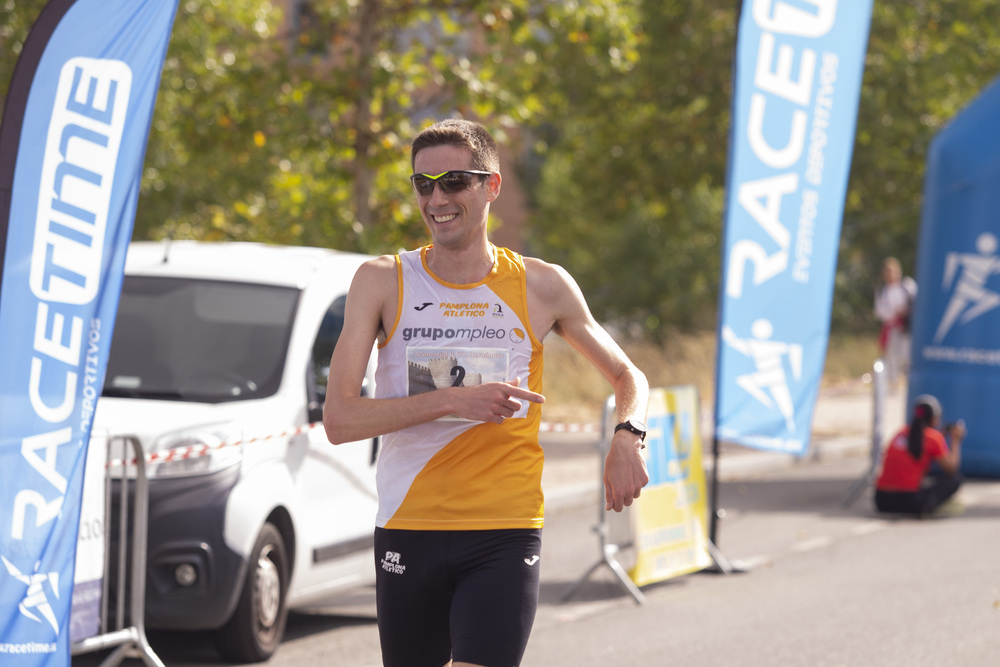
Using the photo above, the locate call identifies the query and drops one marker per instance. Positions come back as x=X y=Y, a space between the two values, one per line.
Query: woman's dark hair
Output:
x=926 y=409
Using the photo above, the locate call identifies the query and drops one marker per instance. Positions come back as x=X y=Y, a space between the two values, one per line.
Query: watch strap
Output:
x=629 y=426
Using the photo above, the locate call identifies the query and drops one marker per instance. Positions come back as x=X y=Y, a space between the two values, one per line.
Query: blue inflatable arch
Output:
x=956 y=318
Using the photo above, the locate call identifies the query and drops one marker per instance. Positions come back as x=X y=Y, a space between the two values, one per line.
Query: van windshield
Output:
x=199 y=340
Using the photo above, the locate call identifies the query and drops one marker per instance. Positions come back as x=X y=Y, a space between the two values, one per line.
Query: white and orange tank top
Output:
x=456 y=474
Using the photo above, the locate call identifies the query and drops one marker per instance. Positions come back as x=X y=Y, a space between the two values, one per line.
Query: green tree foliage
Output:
x=927 y=59
x=16 y=19
x=630 y=189
x=294 y=129
x=371 y=73
x=632 y=173
x=222 y=139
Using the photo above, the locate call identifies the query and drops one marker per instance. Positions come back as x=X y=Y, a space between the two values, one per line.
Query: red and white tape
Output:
x=552 y=427
x=196 y=451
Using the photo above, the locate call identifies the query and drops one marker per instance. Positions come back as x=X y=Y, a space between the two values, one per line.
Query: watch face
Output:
x=638 y=424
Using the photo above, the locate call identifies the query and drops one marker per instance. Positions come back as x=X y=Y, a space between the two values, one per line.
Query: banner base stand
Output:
x=721 y=565
x=609 y=560
x=860 y=486
x=666 y=507
x=130 y=642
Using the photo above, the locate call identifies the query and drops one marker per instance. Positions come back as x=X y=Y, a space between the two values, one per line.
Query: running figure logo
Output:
x=768 y=383
x=970 y=298
x=35 y=598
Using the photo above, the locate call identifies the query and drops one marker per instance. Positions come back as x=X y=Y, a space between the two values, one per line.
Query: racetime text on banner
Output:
x=797 y=79
x=72 y=145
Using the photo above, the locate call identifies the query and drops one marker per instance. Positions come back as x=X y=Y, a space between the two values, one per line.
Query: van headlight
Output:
x=193 y=453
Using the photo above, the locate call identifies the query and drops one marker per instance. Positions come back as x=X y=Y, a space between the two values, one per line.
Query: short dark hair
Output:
x=465 y=134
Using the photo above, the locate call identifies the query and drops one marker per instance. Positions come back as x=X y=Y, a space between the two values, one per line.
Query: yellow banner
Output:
x=670 y=517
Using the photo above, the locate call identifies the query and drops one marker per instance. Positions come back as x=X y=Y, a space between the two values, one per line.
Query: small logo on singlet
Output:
x=532 y=560
x=391 y=563
x=423 y=305
x=497 y=310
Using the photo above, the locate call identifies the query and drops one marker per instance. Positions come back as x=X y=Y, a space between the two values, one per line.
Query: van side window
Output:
x=322 y=351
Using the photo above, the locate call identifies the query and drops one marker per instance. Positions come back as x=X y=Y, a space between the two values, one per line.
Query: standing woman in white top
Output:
x=893 y=301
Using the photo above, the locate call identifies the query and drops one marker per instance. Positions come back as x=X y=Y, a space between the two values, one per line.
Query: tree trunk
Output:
x=368 y=39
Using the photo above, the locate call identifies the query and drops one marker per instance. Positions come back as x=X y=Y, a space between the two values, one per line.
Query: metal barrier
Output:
x=130 y=641
x=875 y=455
x=608 y=548
x=615 y=532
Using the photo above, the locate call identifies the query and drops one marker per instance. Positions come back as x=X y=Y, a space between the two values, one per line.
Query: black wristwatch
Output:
x=634 y=426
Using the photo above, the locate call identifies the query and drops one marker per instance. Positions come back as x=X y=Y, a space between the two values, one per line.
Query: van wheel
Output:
x=258 y=624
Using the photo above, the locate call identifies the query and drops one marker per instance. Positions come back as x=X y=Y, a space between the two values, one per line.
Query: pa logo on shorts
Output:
x=391 y=563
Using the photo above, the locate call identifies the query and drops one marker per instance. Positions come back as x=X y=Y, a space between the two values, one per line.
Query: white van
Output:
x=225 y=347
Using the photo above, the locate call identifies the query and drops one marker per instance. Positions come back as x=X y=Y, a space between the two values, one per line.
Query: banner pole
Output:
x=875 y=453
x=714 y=484
x=713 y=517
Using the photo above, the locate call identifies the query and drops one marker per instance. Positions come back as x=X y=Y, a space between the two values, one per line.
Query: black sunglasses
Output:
x=449 y=181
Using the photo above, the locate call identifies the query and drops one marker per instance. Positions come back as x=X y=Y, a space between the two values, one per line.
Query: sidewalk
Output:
x=842 y=426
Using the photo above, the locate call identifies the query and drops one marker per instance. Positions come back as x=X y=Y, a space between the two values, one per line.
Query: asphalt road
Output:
x=824 y=584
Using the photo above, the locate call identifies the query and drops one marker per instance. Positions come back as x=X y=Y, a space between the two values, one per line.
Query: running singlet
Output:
x=456 y=474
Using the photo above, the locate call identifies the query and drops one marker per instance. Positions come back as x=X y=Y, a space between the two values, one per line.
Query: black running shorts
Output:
x=468 y=596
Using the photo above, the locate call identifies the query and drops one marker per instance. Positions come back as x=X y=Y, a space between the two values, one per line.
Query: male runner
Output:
x=459 y=325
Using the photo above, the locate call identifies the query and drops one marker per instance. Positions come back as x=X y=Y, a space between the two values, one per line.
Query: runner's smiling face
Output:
x=457 y=217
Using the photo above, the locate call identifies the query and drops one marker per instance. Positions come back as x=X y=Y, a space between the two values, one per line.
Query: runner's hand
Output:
x=493 y=401
x=624 y=471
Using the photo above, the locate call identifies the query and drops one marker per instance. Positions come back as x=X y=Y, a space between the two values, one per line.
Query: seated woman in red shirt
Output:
x=903 y=485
